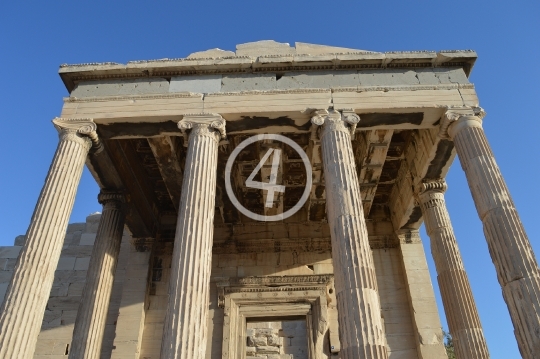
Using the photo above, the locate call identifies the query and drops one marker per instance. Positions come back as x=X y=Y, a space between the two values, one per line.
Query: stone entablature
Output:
x=345 y=80
x=365 y=142
x=268 y=56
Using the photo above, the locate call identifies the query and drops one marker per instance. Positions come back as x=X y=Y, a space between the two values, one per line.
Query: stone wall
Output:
x=57 y=328
x=139 y=299
x=390 y=277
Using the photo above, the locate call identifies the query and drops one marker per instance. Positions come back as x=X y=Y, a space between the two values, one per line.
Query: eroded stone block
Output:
x=120 y=87
x=196 y=84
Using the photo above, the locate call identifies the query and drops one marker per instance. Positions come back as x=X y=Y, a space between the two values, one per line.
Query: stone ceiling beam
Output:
x=426 y=157
x=140 y=197
x=316 y=203
x=166 y=150
x=103 y=170
x=375 y=147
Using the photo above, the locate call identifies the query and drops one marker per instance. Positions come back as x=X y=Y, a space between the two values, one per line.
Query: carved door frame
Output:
x=252 y=297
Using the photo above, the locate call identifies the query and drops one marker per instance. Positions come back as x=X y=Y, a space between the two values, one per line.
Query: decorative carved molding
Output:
x=453 y=114
x=403 y=88
x=254 y=58
x=456 y=51
x=90 y=64
x=411 y=52
x=202 y=123
x=230 y=290
x=272 y=284
x=81 y=126
x=270 y=92
x=133 y=97
x=281 y=280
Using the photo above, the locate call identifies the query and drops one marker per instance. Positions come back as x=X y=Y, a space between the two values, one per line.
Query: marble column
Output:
x=509 y=246
x=28 y=292
x=92 y=314
x=359 y=311
x=185 y=330
x=458 y=301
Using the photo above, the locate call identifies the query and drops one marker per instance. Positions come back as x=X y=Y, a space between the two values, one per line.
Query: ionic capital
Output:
x=429 y=190
x=106 y=197
x=457 y=118
x=203 y=123
x=437 y=185
x=333 y=120
x=83 y=127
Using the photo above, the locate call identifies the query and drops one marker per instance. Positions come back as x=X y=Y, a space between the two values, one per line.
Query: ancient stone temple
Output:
x=264 y=203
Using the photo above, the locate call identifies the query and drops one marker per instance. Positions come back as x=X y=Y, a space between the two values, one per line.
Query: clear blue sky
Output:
x=38 y=36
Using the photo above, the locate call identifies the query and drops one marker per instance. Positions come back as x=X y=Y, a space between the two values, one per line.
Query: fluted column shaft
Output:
x=509 y=246
x=28 y=292
x=92 y=314
x=458 y=301
x=186 y=320
x=359 y=310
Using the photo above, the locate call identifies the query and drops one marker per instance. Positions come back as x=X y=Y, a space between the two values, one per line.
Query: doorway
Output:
x=283 y=338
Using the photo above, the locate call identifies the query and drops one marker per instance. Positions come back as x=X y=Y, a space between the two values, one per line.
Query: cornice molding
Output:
x=271 y=92
x=87 y=72
x=133 y=97
x=71 y=74
x=272 y=284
